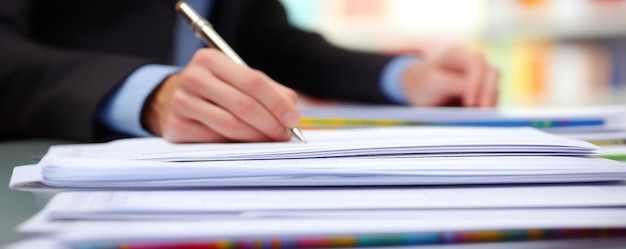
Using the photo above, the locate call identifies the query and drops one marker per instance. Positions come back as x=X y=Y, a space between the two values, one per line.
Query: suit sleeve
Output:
x=48 y=91
x=306 y=61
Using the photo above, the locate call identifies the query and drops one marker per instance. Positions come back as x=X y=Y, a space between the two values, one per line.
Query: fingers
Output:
x=216 y=100
x=484 y=91
x=430 y=85
x=471 y=66
x=184 y=130
x=489 y=90
x=480 y=80
x=190 y=106
x=252 y=83
x=201 y=82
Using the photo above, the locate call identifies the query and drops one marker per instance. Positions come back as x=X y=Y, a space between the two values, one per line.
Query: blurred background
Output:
x=549 y=52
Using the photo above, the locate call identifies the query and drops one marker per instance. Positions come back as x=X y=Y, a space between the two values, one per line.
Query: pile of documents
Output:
x=592 y=118
x=611 y=144
x=363 y=187
x=604 y=126
x=348 y=157
x=330 y=217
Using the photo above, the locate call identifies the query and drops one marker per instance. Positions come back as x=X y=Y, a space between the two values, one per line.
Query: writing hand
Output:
x=453 y=74
x=216 y=100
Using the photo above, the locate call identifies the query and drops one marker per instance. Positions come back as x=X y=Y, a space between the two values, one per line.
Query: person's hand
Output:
x=216 y=100
x=454 y=76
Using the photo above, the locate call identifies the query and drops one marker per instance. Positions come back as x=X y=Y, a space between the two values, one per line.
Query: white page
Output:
x=345 y=142
x=95 y=205
x=38 y=243
x=557 y=119
x=433 y=114
x=612 y=150
x=596 y=136
x=389 y=222
x=26 y=177
x=78 y=172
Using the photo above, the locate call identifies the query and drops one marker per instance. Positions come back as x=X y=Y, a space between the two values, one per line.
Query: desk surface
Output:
x=17 y=206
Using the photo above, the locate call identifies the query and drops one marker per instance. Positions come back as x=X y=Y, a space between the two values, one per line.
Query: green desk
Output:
x=17 y=206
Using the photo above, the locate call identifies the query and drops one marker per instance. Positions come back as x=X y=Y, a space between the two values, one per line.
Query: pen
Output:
x=204 y=30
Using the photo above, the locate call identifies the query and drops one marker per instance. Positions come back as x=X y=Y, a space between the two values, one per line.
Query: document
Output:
x=389 y=222
x=551 y=119
x=611 y=144
x=615 y=152
x=599 y=138
x=381 y=141
x=82 y=173
x=347 y=157
x=85 y=219
x=361 y=202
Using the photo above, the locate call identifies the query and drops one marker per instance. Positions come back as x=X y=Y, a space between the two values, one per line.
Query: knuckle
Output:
x=290 y=94
x=193 y=79
x=180 y=101
x=202 y=55
x=228 y=125
x=190 y=78
x=209 y=57
x=253 y=82
x=278 y=108
x=245 y=106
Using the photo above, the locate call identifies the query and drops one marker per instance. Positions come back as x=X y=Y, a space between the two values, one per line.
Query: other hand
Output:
x=454 y=75
x=216 y=100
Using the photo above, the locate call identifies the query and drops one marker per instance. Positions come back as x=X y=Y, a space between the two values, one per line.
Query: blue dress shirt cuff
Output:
x=121 y=112
x=391 y=78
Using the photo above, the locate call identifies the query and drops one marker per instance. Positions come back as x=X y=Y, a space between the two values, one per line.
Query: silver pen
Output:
x=204 y=30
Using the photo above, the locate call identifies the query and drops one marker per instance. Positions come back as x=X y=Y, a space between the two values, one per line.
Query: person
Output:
x=103 y=69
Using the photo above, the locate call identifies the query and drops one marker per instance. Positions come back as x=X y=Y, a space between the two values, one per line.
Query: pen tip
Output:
x=298 y=134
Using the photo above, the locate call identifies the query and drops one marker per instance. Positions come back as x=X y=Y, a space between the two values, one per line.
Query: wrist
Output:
x=157 y=105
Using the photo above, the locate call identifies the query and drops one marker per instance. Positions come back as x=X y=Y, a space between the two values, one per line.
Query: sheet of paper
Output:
x=617 y=150
x=129 y=205
x=608 y=137
x=39 y=243
x=387 y=222
x=346 y=142
x=25 y=177
x=101 y=173
x=553 y=119
x=612 y=144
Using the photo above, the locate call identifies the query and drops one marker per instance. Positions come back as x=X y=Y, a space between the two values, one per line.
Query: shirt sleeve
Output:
x=391 y=78
x=121 y=112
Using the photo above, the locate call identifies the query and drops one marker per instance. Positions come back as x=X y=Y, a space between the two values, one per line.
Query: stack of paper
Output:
x=382 y=141
x=377 y=216
x=612 y=144
x=553 y=119
x=374 y=156
x=344 y=203
x=386 y=186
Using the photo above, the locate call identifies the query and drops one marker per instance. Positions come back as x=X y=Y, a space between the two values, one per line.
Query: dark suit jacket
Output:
x=59 y=59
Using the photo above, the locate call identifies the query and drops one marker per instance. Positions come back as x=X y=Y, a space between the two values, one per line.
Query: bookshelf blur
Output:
x=549 y=52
